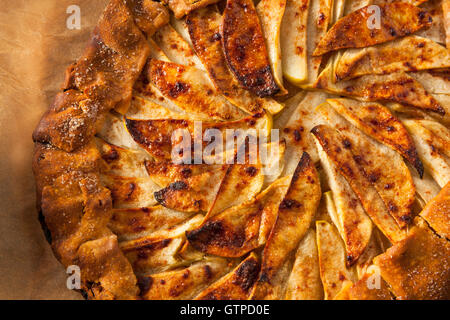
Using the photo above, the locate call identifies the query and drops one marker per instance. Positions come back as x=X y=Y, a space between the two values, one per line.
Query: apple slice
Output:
x=236 y=231
x=436 y=31
x=203 y=26
x=270 y=13
x=176 y=48
x=296 y=131
x=337 y=11
x=183 y=283
x=235 y=285
x=397 y=87
x=293 y=41
x=319 y=17
x=394 y=184
x=379 y=123
x=335 y=147
x=333 y=271
x=155 y=136
x=355 y=31
x=181 y=8
x=246 y=52
x=410 y=53
x=114 y=132
x=131 y=223
x=426 y=187
x=446 y=14
x=436 y=212
x=147 y=109
x=439 y=135
x=190 y=89
x=434 y=81
x=435 y=163
x=346 y=211
x=156 y=52
x=295 y=215
x=152 y=255
x=304 y=281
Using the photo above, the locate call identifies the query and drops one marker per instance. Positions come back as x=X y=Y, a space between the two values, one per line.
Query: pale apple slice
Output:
x=129 y=192
x=426 y=187
x=120 y=161
x=378 y=122
x=434 y=81
x=439 y=135
x=410 y=53
x=337 y=11
x=237 y=284
x=114 y=132
x=394 y=184
x=152 y=255
x=236 y=231
x=176 y=48
x=270 y=13
x=131 y=223
x=319 y=17
x=304 y=281
x=246 y=52
x=295 y=215
x=436 y=31
x=351 y=6
x=156 y=52
x=155 y=136
x=335 y=147
x=184 y=283
x=353 y=31
x=146 y=109
x=346 y=211
x=190 y=89
x=296 y=131
x=203 y=26
x=293 y=41
x=435 y=163
x=397 y=87
x=333 y=271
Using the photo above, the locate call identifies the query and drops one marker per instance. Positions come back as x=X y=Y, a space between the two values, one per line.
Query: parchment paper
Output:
x=35 y=48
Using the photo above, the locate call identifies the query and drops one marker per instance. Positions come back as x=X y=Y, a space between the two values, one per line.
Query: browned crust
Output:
x=437 y=212
x=418 y=267
x=397 y=19
x=245 y=49
x=66 y=164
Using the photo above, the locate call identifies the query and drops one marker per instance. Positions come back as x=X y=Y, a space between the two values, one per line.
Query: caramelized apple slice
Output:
x=236 y=231
x=295 y=215
x=245 y=49
x=346 y=211
x=439 y=135
x=398 y=87
x=379 y=123
x=333 y=271
x=435 y=163
x=190 y=89
x=335 y=147
x=304 y=281
x=293 y=39
x=184 y=283
x=405 y=54
x=236 y=285
x=355 y=31
x=203 y=26
x=270 y=13
x=394 y=184
x=128 y=192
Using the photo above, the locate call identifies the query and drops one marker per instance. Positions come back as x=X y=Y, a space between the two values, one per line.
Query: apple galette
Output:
x=280 y=149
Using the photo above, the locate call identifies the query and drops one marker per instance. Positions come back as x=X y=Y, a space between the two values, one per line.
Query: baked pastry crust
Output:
x=76 y=200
